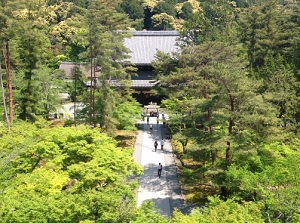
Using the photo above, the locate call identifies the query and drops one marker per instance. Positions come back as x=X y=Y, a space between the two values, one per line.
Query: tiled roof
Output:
x=68 y=66
x=143 y=83
x=145 y=44
x=134 y=83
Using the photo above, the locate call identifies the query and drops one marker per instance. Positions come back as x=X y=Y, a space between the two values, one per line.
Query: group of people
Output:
x=162 y=143
x=157 y=117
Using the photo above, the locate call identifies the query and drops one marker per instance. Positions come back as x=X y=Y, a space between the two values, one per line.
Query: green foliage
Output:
x=162 y=21
x=164 y=7
x=222 y=211
x=280 y=183
x=135 y=11
x=231 y=211
x=267 y=29
x=216 y=101
x=106 y=45
x=228 y=103
x=239 y=114
x=77 y=87
x=280 y=88
x=187 y=10
x=274 y=184
x=146 y=213
x=215 y=22
x=64 y=175
x=127 y=114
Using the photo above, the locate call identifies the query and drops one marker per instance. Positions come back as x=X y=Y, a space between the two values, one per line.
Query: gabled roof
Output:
x=145 y=44
x=67 y=67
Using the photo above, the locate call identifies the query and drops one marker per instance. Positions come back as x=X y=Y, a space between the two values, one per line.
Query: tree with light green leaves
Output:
x=222 y=211
x=64 y=175
x=215 y=22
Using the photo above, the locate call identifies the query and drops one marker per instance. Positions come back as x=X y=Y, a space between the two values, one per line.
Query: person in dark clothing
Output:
x=155 y=145
x=159 y=170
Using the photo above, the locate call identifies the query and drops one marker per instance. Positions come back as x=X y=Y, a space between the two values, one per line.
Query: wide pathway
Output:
x=165 y=192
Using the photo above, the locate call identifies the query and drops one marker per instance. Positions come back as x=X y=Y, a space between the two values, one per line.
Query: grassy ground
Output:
x=195 y=185
x=125 y=138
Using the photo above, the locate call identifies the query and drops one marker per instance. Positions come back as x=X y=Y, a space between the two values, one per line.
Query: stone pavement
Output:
x=165 y=192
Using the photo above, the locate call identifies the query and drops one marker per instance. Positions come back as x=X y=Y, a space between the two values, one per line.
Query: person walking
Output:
x=162 y=143
x=155 y=145
x=151 y=127
x=159 y=170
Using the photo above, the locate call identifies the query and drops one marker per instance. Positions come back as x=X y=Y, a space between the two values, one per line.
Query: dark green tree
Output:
x=77 y=87
x=108 y=53
x=135 y=11
x=164 y=7
x=187 y=11
x=267 y=29
x=33 y=49
x=219 y=108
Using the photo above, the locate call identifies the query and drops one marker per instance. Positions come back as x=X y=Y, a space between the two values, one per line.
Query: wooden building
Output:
x=143 y=46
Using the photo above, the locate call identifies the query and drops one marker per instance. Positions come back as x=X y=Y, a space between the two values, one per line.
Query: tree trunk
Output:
x=228 y=152
x=4 y=101
x=213 y=154
x=230 y=127
x=9 y=81
x=6 y=55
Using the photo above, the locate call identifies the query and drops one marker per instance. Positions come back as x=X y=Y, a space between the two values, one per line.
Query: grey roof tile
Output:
x=68 y=66
x=145 y=44
x=139 y=83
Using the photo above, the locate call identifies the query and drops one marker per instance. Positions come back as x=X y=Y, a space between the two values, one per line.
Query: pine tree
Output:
x=107 y=53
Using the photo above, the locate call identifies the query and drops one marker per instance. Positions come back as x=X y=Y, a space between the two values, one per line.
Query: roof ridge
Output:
x=155 y=33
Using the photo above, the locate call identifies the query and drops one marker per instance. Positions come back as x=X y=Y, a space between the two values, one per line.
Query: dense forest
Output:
x=232 y=95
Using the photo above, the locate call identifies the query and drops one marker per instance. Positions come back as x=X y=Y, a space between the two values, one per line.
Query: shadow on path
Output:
x=165 y=191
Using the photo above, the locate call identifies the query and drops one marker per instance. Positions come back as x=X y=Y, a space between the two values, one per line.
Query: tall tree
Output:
x=108 y=54
x=216 y=21
x=7 y=8
x=214 y=97
x=135 y=11
x=33 y=49
x=270 y=33
x=267 y=29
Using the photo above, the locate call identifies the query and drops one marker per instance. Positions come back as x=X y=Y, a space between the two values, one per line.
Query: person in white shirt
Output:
x=162 y=143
